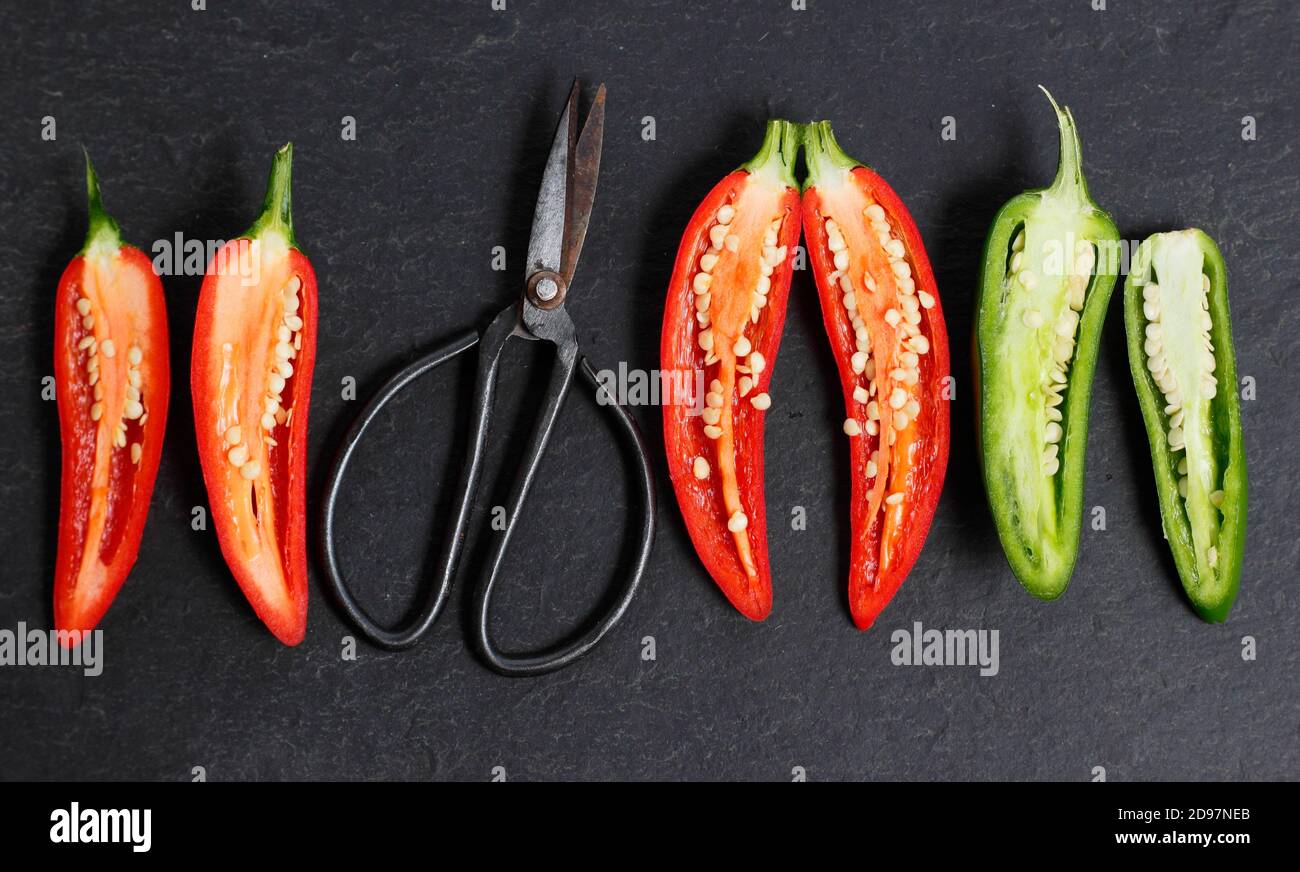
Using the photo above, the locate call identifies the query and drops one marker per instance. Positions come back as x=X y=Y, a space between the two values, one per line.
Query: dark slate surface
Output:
x=182 y=110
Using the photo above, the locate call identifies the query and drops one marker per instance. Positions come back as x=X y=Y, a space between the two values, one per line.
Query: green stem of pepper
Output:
x=1069 y=182
x=826 y=161
x=277 y=208
x=103 y=236
x=779 y=151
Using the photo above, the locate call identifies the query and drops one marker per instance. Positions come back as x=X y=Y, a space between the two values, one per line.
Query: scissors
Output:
x=559 y=227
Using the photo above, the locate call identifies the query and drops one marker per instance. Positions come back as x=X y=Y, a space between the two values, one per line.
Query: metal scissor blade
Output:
x=546 y=244
x=585 y=163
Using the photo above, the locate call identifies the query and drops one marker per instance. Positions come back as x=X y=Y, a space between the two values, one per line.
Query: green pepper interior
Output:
x=1179 y=357
x=1049 y=271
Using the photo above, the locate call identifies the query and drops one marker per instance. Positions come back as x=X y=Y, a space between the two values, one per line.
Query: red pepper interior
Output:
x=111 y=330
x=251 y=377
x=893 y=378
x=721 y=330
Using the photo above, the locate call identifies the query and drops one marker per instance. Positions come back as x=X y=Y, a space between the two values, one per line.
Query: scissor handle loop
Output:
x=408 y=634
x=537 y=663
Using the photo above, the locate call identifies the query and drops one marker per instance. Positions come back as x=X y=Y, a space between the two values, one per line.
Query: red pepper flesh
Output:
x=250 y=375
x=882 y=314
x=722 y=326
x=112 y=382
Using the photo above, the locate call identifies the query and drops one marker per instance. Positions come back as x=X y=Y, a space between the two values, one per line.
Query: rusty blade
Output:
x=584 y=170
x=550 y=217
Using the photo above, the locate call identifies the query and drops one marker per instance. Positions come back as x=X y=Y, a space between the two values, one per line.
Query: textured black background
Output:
x=454 y=104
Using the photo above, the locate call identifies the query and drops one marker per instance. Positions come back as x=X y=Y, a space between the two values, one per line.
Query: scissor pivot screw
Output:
x=546 y=288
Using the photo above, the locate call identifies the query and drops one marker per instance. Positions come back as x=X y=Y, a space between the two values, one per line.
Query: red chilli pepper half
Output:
x=882 y=314
x=112 y=382
x=254 y=349
x=722 y=325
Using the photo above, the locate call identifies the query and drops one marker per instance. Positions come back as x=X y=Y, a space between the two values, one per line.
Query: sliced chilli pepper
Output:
x=254 y=349
x=1181 y=354
x=882 y=314
x=112 y=382
x=1050 y=263
x=723 y=319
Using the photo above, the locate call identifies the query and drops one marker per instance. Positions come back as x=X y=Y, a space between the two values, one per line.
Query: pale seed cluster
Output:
x=1176 y=399
x=1063 y=337
x=715 y=404
x=909 y=345
x=288 y=342
x=94 y=347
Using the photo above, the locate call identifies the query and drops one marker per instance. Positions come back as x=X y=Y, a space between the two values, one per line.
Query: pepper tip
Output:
x=1056 y=106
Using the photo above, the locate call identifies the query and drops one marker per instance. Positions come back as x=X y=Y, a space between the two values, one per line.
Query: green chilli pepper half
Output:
x=1050 y=264
x=1180 y=351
